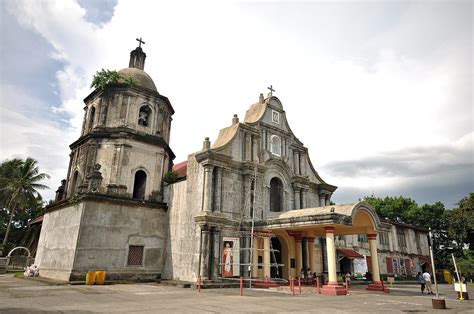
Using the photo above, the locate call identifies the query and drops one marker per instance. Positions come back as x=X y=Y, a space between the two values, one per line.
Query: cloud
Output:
x=357 y=80
x=427 y=174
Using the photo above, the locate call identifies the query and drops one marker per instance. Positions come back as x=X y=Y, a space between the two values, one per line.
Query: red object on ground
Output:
x=241 y=286
x=378 y=286
x=299 y=284
x=333 y=288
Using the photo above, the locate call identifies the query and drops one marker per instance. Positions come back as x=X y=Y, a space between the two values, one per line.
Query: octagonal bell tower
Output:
x=109 y=213
x=125 y=136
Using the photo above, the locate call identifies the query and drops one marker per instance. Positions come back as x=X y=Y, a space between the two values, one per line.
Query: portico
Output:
x=297 y=229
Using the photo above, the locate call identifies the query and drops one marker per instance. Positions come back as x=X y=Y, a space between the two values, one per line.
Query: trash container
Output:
x=90 y=278
x=100 y=277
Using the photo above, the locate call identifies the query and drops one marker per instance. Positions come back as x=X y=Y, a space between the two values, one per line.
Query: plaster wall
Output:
x=58 y=241
x=108 y=229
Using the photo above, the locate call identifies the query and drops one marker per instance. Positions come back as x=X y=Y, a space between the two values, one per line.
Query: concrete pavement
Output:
x=32 y=296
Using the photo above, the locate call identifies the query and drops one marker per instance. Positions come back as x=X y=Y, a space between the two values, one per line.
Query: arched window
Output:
x=276 y=195
x=91 y=118
x=139 y=186
x=144 y=116
x=74 y=182
x=275 y=145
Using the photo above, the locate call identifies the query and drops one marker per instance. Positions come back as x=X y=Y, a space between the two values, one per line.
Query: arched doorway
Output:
x=276 y=270
x=139 y=185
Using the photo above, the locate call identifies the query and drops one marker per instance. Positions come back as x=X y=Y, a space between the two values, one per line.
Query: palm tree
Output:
x=19 y=185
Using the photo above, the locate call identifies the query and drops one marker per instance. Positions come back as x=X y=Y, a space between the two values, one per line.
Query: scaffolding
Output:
x=252 y=234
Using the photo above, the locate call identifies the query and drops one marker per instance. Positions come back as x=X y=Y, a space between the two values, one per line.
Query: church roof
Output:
x=181 y=169
x=143 y=79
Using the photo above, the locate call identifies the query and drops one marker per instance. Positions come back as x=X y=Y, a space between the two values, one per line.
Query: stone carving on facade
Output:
x=94 y=179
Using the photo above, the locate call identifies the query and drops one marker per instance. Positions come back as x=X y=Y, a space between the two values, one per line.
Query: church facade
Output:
x=250 y=204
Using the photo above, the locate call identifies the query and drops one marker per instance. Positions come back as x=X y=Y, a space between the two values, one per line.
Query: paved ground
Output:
x=31 y=296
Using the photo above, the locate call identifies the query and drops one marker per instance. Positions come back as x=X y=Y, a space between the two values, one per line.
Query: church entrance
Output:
x=345 y=265
x=276 y=270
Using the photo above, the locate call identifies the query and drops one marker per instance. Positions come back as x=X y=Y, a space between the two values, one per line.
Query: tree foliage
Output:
x=104 y=78
x=19 y=185
x=450 y=228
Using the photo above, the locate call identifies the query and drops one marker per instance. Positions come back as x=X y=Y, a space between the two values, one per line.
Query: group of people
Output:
x=425 y=282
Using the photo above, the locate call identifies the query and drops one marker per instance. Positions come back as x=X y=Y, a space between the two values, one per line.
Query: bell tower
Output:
x=109 y=212
x=125 y=137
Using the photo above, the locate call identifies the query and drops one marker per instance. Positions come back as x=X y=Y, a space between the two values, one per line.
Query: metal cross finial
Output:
x=271 y=89
x=140 y=41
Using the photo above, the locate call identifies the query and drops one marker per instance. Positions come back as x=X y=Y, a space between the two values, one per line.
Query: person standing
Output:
x=427 y=278
x=421 y=280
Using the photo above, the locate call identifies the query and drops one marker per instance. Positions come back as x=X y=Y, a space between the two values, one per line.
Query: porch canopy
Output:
x=356 y=218
x=293 y=226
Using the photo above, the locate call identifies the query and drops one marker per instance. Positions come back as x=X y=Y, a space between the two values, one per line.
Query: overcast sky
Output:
x=379 y=91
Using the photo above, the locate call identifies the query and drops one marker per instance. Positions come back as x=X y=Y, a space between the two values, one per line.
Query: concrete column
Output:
x=306 y=254
x=255 y=258
x=207 y=201
x=302 y=165
x=266 y=257
x=218 y=191
x=248 y=147
x=328 y=199
x=374 y=257
x=322 y=200
x=205 y=253
x=298 y=255
x=216 y=256
x=302 y=199
x=331 y=255
x=297 y=199
x=264 y=140
x=318 y=257
x=312 y=259
x=296 y=159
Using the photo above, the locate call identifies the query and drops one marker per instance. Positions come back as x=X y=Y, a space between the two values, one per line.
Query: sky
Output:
x=380 y=92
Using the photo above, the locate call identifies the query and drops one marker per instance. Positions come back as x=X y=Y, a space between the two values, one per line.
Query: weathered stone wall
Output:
x=184 y=202
x=58 y=241
x=108 y=229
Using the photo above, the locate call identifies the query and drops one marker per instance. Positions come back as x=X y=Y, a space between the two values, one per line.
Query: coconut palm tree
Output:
x=19 y=185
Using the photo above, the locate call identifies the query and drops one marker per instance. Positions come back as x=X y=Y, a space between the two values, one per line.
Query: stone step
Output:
x=176 y=283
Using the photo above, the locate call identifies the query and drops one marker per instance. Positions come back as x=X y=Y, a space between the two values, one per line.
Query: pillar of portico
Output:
x=332 y=288
x=298 y=255
x=255 y=258
x=312 y=259
x=376 y=285
x=266 y=257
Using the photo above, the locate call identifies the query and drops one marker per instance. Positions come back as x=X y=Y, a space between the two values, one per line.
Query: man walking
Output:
x=427 y=278
x=421 y=280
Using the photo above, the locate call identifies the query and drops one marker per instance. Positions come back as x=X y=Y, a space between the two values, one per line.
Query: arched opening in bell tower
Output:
x=91 y=118
x=139 y=185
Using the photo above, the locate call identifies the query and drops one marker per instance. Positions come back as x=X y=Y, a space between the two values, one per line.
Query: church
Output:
x=249 y=205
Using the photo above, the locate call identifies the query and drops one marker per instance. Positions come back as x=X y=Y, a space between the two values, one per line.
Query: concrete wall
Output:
x=107 y=230
x=58 y=241
x=184 y=202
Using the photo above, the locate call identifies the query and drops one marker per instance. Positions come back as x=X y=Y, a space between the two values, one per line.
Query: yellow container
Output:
x=447 y=276
x=90 y=278
x=100 y=277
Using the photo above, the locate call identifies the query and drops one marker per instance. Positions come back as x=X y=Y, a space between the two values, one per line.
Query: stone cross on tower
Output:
x=140 y=42
x=271 y=90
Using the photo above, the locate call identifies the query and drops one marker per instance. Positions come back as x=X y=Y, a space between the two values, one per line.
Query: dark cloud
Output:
x=426 y=174
x=98 y=11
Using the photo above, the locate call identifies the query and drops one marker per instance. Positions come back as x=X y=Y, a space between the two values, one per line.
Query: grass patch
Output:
x=18 y=275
